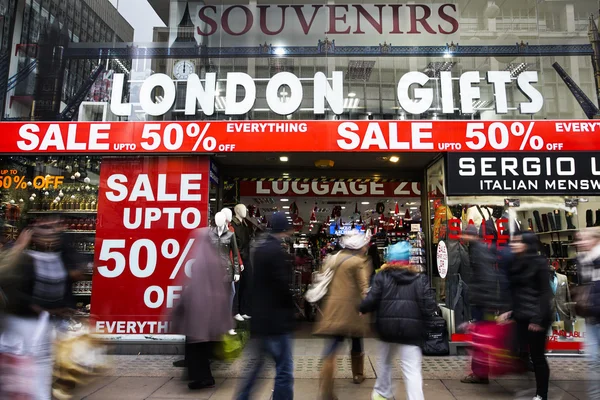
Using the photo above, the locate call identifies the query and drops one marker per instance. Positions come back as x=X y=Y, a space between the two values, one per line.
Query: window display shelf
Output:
x=553 y=232
x=88 y=232
x=63 y=212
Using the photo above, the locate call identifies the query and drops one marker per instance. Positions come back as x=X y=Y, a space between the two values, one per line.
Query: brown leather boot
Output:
x=358 y=367
x=326 y=379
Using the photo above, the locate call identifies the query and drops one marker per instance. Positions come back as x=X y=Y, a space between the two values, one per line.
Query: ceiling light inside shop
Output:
x=284 y=159
x=414 y=208
x=285 y=207
x=343 y=207
x=394 y=159
x=213 y=199
x=287 y=212
x=365 y=203
x=285 y=200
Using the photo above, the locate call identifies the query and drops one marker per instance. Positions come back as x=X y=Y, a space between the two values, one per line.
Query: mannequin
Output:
x=236 y=302
x=224 y=240
x=243 y=236
x=561 y=304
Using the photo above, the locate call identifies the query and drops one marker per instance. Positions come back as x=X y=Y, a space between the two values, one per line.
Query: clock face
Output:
x=183 y=69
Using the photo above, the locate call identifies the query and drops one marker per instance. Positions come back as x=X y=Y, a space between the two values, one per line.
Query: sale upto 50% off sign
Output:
x=11 y=179
x=149 y=209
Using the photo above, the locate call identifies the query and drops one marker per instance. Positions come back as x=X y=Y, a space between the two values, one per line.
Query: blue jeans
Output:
x=279 y=348
x=592 y=349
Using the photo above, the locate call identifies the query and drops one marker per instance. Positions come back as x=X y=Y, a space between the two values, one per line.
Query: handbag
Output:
x=436 y=341
x=318 y=289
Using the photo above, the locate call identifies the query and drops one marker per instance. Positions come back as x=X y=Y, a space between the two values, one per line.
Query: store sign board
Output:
x=523 y=173
x=298 y=136
x=317 y=25
x=442 y=259
x=319 y=188
x=143 y=244
x=325 y=91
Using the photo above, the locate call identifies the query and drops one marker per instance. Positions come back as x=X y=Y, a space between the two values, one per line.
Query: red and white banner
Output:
x=147 y=209
x=317 y=188
x=298 y=136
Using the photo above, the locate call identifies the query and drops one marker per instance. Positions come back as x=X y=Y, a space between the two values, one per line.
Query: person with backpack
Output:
x=350 y=269
x=402 y=299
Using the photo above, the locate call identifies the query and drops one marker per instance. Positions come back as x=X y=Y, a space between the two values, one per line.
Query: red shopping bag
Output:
x=492 y=345
x=15 y=377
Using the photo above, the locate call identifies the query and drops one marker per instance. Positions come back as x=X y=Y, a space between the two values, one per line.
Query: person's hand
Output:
x=241 y=268
x=360 y=314
x=24 y=239
x=236 y=278
x=535 y=328
x=502 y=318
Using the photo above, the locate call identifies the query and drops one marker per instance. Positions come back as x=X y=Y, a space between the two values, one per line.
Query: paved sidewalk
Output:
x=139 y=388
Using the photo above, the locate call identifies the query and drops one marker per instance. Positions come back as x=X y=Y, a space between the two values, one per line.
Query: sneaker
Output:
x=472 y=378
x=239 y=318
x=538 y=398
x=204 y=384
x=377 y=396
x=245 y=316
x=232 y=332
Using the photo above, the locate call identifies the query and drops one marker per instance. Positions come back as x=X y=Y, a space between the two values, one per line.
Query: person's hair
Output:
x=531 y=242
x=590 y=233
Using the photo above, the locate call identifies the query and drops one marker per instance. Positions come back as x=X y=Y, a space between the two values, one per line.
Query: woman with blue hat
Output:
x=402 y=298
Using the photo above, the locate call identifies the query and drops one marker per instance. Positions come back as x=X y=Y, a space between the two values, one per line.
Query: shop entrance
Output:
x=325 y=195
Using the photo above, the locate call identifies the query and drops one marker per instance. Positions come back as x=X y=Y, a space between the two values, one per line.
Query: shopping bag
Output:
x=436 y=342
x=17 y=362
x=492 y=345
x=231 y=346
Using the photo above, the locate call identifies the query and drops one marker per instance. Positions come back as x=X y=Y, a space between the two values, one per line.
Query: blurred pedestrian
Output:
x=273 y=310
x=203 y=313
x=483 y=295
x=36 y=275
x=530 y=300
x=588 y=245
x=402 y=298
x=340 y=318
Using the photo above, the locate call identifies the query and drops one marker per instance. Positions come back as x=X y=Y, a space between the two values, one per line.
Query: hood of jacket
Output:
x=400 y=273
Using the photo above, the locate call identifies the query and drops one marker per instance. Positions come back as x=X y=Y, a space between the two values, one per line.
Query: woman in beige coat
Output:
x=340 y=317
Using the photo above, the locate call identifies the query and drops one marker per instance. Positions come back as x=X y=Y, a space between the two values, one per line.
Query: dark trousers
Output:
x=243 y=290
x=357 y=346
x=197 y=357
x=279 y=348
x=536 y=342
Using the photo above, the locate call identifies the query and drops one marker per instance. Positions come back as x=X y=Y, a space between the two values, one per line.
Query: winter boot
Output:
x=569 y=218
x=326 y=379
x=558 y=220
x=545 y=223
x=565 y=250
x=551 y=220
x=555 y=250
x=358 y=367
x=546 y=247
x=589 y=218
x=538 y=221
x=597 y=218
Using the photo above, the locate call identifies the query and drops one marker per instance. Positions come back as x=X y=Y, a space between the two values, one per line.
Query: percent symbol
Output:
x=517 y=129
x=208 y=143
x=170 y=249
x=20 y=182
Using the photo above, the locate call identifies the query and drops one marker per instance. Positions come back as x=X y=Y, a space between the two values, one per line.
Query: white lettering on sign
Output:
x=382 y=136
x=412 y=94
x=335 y=188
x=54 y=137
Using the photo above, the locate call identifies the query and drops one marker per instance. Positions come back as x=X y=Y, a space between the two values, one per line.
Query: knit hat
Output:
x=280 y=223
x=355 y=239
x=398 y=253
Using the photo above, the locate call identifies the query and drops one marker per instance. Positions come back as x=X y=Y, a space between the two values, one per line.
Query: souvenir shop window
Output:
x=31 y=187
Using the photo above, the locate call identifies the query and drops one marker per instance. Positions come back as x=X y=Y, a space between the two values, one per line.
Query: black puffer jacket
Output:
x=402 y=300
x=531 y=295
x=484 y=284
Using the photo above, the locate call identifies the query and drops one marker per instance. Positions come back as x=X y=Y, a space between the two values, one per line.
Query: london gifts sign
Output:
x=236 y=25
x=414 y=93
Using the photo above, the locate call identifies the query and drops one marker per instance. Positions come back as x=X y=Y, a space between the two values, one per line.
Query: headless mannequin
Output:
x=227 y=248
x=561 y=303
x=243 y=236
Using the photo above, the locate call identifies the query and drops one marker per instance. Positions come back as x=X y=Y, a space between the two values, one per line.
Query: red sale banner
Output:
x=298 y=136
x=148 y=207
x=318 y=188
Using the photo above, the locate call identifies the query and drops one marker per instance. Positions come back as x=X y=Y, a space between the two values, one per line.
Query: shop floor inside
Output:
x=154 y=377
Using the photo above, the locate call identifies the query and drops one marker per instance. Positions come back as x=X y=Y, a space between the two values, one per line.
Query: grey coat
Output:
x=227 y=248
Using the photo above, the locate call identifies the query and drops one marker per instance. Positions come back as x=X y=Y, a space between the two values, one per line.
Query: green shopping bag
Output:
x=231 y=346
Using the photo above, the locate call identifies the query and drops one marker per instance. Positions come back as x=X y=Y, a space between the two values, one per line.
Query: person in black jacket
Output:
x=402 y=299
x=530 y=299
x=272 y=321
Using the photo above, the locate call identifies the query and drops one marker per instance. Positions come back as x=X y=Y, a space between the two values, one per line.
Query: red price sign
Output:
x=147 y=209
x=299 y=136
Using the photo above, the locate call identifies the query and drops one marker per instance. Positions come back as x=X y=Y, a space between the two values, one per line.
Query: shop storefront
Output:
x=411 y=142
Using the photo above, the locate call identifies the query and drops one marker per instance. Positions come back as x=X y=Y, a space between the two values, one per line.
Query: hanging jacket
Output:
x=402 y=301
